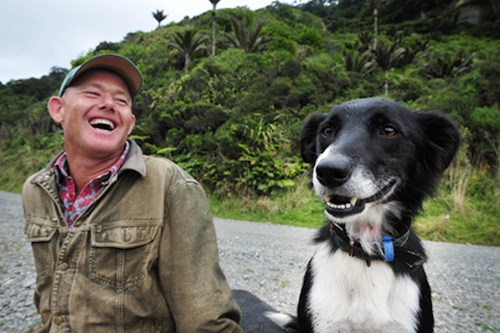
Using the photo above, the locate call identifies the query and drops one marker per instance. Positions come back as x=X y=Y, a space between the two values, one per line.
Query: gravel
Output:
x=269 y=260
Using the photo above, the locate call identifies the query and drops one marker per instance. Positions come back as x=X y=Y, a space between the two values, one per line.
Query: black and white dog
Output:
x=374 y=161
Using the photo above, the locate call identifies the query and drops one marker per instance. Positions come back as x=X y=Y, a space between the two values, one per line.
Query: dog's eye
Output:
x=388 y=131
x=327 y=132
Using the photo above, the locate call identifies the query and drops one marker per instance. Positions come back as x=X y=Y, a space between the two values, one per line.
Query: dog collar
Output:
x=392 y=248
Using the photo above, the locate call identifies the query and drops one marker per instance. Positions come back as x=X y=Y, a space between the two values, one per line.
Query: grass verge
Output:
x=475 y=221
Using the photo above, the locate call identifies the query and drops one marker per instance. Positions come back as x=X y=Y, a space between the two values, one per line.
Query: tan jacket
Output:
x=142 y=258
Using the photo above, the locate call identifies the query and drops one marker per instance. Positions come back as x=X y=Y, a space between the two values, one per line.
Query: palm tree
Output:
x=359 y=62
x=188 y=43
x=386 y=57
x=246 y=36
x=214 y=19
x=159 y=16
x=449 y=64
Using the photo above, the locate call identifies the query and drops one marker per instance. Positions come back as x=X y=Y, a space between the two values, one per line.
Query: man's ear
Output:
x=55 y=109
x=133 y=124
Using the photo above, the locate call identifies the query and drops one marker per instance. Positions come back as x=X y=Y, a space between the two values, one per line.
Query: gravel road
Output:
x=269 y=261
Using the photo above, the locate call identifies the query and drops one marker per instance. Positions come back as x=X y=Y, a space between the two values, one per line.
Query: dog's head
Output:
x=374 y=156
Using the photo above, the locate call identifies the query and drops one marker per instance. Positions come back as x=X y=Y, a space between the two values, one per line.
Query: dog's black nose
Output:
x=333 y=172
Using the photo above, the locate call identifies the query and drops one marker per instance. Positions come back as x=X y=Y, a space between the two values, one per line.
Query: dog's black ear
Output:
x=308 y=137
x=443 y=139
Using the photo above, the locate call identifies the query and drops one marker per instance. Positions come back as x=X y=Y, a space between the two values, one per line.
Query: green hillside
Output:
x=232 y=119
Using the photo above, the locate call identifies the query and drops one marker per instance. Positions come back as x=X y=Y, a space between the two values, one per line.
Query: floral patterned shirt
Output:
x=72 y=204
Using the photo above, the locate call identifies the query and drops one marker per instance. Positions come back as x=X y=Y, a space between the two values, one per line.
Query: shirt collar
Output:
x=62 y=169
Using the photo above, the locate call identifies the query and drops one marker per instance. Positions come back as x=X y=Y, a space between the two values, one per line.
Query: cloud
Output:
x=38 y=35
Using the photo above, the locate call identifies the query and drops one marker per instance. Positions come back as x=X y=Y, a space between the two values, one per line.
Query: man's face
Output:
x=96 y=114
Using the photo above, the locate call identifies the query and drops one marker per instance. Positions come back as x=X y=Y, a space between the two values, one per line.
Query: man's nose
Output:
x=106 y=101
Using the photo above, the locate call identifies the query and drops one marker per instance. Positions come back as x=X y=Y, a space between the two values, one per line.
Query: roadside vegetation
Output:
x=225 y=96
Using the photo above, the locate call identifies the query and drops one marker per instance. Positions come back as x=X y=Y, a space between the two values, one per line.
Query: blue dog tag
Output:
x=388 y=248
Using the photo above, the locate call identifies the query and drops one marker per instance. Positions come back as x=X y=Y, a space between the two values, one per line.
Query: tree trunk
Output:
x=214 y=26
x=386 y=83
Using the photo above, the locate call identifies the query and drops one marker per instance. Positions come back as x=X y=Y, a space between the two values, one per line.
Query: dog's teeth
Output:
x=341 y=206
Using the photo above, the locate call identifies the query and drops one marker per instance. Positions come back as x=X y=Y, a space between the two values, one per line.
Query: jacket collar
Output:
x=134 y=160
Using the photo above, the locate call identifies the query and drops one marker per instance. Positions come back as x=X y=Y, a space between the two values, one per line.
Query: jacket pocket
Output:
x=41 y=235
x=120 y=253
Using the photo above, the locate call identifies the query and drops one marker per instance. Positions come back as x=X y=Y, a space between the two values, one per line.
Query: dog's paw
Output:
x=285 y=321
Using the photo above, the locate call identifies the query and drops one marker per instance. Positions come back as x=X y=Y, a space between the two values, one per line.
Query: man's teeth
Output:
x=352 y=202
x=102 y=123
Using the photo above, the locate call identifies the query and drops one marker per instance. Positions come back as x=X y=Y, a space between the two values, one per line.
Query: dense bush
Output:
x=233 y=120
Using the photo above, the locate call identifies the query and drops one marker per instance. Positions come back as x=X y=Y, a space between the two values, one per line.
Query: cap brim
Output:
x=111 y=62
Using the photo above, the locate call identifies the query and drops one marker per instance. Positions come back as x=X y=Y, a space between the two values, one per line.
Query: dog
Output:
x=373 y=163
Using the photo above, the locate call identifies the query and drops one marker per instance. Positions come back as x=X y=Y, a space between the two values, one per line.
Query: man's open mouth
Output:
x=341 y=206
x=102 y=124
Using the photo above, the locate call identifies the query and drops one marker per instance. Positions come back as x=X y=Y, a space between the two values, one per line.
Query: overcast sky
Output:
x=36 y=35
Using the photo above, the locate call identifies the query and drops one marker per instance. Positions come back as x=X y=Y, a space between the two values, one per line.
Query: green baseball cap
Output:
x=117 y=64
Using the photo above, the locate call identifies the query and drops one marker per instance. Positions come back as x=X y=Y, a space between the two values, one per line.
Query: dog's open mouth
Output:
x=340 y=206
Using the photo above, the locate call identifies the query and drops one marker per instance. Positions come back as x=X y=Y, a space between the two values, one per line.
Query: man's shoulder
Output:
x=159 y=163
x=156 y=165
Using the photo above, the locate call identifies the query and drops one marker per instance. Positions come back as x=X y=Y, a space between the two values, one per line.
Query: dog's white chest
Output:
x=347 y=295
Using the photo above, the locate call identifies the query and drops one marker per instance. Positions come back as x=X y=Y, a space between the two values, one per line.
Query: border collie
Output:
x=374 y=161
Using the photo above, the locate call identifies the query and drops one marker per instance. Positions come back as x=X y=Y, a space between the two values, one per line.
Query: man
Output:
x=122 y=242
